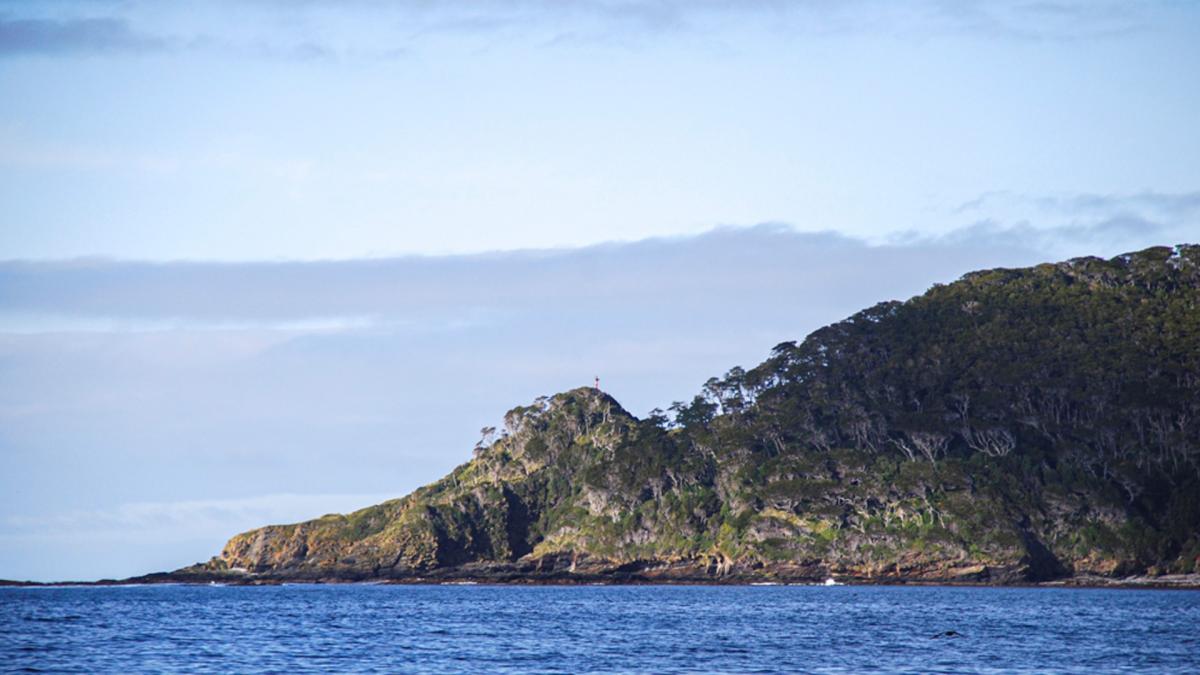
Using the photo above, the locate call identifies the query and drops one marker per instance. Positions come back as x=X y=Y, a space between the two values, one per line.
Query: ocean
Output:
x=554 y=629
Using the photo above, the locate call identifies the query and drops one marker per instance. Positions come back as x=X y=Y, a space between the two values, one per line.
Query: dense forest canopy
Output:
x=1091 y=362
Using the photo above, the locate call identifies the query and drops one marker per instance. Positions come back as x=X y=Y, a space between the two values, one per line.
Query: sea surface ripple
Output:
x=662 y=629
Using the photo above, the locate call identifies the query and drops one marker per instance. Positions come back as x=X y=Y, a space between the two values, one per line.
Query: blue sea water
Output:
x=366 y=628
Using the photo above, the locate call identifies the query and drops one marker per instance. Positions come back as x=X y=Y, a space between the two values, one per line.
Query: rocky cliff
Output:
x=1013 y=426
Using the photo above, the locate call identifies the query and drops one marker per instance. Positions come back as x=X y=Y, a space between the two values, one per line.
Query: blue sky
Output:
x=264 y=260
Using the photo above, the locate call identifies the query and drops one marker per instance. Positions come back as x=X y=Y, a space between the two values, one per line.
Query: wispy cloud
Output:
x=1173 y=205
x=74 y=36
x=436 y=293
x=48 y=322
x=1058 y=222
x=1047 y=21
x=321 y=29
x=220 y=516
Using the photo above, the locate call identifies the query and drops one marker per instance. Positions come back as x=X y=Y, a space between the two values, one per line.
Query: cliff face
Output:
x=1016 y=425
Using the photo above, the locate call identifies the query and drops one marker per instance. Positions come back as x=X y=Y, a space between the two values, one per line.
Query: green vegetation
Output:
x=1016 y=424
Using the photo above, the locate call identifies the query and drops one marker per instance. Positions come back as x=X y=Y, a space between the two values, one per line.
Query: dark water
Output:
x=580 y=629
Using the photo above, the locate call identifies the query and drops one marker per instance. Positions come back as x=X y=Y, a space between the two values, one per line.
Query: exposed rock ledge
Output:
x=564 y=571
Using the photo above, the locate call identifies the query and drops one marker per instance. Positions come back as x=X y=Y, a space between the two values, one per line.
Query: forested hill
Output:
x=1014 y=425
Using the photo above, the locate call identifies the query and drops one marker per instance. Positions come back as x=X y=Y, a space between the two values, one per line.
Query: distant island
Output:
x=1015 y=426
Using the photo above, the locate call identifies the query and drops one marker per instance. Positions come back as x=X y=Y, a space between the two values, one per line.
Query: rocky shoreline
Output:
x=635 y=574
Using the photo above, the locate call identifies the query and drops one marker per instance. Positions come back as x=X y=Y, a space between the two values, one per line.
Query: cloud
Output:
x=459 y=292
x=1161 y=205
x=1168 y=205
x=1062 y=19
x=412 y=291
x=321 y=29
x=73 y=36
x=1044 y=21
x=211 y=516
x=1065 y=221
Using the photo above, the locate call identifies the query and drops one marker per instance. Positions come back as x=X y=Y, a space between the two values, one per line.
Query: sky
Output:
x=265 y=260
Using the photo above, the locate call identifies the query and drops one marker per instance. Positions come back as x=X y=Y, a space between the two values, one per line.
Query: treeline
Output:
x=1090 y=361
